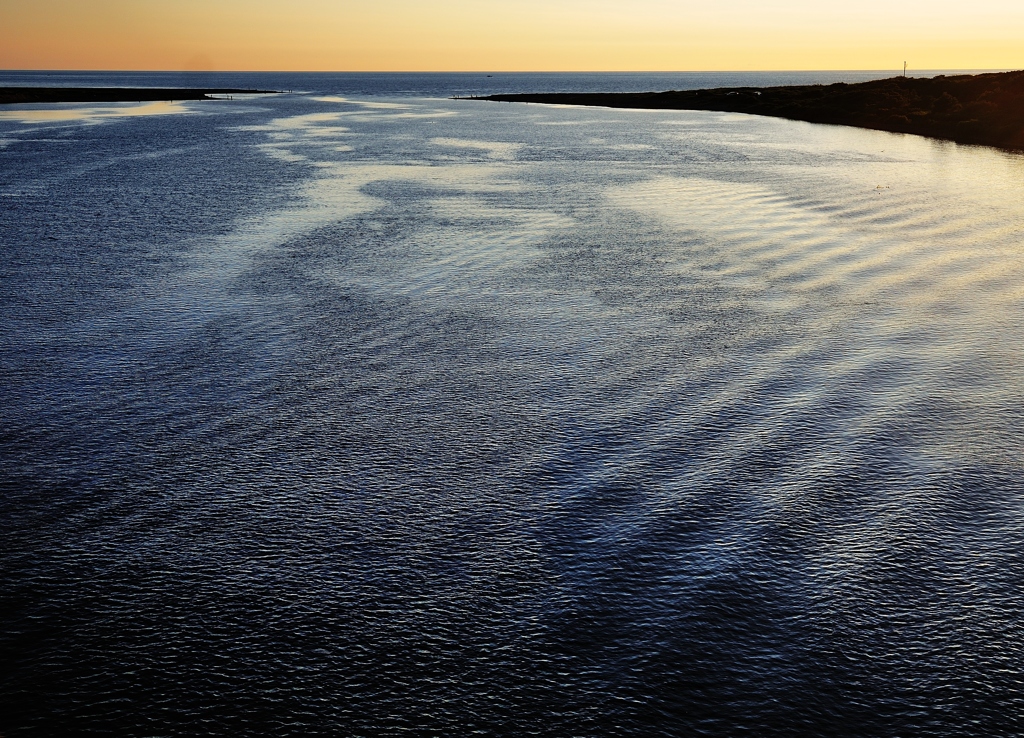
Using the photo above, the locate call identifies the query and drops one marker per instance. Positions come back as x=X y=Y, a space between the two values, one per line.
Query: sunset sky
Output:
x=505 y=35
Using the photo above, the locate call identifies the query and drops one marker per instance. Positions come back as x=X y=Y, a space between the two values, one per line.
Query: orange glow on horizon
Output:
x=508 y=35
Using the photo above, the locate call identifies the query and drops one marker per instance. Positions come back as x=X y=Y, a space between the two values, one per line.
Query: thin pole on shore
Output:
x=904 y=69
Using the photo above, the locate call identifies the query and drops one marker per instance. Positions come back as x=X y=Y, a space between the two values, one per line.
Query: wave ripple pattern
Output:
x=325 y=414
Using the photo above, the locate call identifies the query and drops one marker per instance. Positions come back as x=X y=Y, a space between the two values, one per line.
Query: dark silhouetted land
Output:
x=985 y=109
x=9 y=95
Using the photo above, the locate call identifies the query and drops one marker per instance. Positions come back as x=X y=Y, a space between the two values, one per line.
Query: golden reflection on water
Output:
x=49 y=114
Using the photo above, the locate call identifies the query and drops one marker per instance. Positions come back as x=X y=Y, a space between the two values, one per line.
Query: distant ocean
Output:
x=362 y=411
x=450 y=84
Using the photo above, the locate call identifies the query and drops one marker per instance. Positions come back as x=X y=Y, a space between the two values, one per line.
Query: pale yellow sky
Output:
x=506 y=35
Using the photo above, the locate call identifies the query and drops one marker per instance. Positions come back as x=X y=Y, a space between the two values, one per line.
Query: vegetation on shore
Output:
x=986 y=109
x=11 y=95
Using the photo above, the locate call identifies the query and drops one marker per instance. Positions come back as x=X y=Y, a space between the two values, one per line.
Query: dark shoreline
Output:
x=23 y=95
x=983 y=109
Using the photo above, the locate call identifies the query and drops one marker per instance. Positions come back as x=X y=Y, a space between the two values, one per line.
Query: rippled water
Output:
x=351 y=414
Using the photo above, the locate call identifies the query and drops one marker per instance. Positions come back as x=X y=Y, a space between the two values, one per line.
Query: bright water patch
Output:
x=357 y=415
x=90 y=113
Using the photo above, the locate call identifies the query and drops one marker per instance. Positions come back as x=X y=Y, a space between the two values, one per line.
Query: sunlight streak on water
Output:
x=91 y=113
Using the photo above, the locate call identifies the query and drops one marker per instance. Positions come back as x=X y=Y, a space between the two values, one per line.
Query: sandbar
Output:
x=26 y=95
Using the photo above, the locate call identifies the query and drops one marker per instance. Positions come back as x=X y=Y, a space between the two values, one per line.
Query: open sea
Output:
x=362 y=411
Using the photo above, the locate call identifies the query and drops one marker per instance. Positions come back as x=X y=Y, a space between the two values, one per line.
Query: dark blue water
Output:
x=368 y=412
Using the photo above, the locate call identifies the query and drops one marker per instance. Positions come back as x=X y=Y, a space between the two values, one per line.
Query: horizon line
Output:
x=500 y=71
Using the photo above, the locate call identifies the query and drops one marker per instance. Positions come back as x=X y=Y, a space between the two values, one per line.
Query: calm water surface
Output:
x=368 y=412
